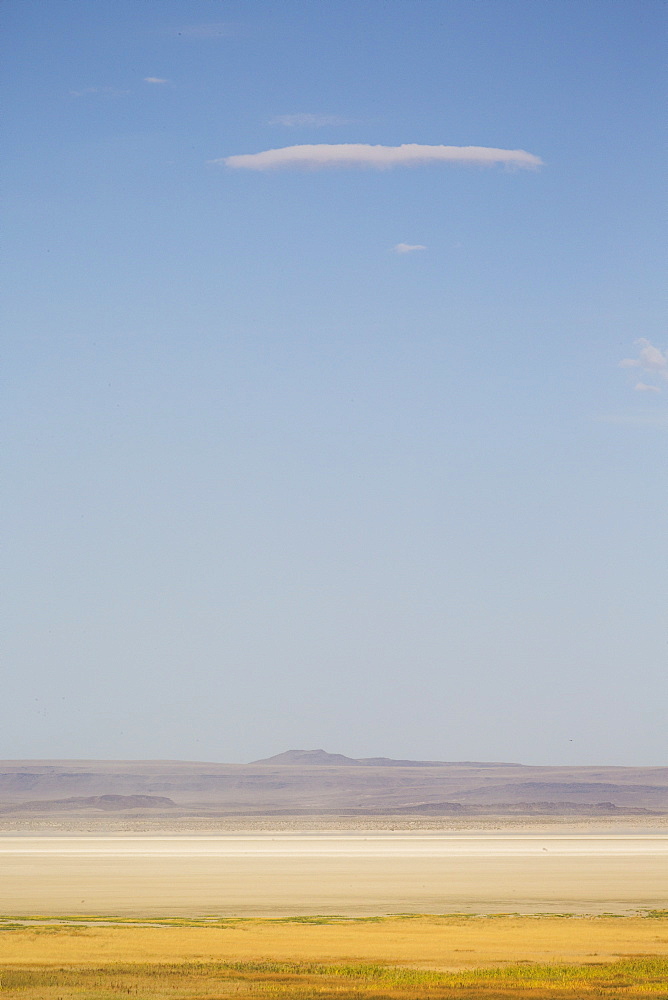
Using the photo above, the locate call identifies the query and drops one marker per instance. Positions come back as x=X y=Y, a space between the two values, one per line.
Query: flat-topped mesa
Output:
x=320 y=757
x=109 y=803
x=324 y=759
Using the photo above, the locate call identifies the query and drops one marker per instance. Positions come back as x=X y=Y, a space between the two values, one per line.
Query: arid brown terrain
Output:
x=317 y=783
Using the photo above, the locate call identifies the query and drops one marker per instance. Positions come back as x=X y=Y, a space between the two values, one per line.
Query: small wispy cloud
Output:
x=308 y=120
x=379 y=157
x=217 y=29
x=408 y=247
x=155 y=79
x=652 y=360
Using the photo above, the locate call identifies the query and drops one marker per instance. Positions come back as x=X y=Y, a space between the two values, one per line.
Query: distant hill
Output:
x=110 y=803
x=591 y=792
x=323 y=759
x=315 y=782
x=524 y=809
x=320 y=757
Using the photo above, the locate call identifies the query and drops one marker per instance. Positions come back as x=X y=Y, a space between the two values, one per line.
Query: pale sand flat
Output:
x=261 y=874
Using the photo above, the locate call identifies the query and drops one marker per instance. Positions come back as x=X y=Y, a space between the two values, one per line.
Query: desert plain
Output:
x=124 y=891
x=349 y=873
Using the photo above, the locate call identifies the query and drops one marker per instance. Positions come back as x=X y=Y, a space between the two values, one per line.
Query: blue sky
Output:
x=369 y=459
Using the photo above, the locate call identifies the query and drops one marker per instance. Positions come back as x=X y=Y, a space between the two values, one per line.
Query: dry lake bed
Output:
x=355 y=874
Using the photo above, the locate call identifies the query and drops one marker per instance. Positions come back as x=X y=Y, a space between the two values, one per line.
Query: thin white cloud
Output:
x=379 y=157
x=155 y=79
x=651 y=360
x=308 y=120
x=408 y=247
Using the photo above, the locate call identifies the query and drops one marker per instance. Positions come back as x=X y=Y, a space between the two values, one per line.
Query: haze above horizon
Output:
x=337 y=380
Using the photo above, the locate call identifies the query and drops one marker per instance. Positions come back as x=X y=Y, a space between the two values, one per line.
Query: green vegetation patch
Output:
x=635 y=977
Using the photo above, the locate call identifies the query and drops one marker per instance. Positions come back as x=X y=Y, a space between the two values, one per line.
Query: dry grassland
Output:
x=450 y=942
x=415 y=958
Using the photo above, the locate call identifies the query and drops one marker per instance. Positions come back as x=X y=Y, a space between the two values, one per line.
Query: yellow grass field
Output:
x=410 y=957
